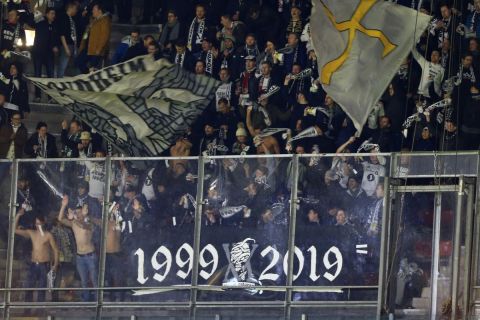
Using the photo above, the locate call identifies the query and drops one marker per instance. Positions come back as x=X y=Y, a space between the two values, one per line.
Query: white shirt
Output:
x=371 y=176
x=430 y=73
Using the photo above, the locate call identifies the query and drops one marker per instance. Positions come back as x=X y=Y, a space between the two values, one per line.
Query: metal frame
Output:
x=288 y=305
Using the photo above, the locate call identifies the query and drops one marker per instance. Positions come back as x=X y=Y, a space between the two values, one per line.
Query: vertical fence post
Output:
x=456 y=246
x=291 y=235
x=11 y=237
x=196 y=237
x=103 y=238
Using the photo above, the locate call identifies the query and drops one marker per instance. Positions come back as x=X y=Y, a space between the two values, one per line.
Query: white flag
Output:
x=360 y=45
x=141 y=106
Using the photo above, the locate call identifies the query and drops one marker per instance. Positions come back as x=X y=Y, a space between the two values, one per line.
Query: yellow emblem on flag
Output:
x=352 y=26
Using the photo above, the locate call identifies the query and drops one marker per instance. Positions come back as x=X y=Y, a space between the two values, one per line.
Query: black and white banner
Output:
x=141 y=105
x=255 y=259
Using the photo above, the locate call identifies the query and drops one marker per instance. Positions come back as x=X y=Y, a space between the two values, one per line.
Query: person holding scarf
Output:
x=41 y=144
x=197 y=31
x=13 y=34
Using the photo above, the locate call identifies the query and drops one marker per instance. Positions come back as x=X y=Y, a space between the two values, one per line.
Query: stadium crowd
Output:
x=269 y=102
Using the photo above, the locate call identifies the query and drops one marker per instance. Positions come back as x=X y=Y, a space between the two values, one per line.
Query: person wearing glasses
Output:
x=13 y=137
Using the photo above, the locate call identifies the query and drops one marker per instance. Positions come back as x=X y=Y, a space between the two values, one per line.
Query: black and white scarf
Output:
x=73 y=31
x=180 y=59
x=252 y=51
x=198 y=36
x=42 y=150
x=16 y=35
x=469 y=75
x=209 y=62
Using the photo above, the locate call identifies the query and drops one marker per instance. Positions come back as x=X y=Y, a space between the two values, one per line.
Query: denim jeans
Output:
x=87 y=269
x=114 y=268
x=37 y=278
x=63 y=61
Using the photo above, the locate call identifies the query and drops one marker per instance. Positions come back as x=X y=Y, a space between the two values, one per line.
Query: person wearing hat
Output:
x=247 y=89
x=85 y=147
x=182 y=57
x=232 y=29
x=242 y=145
x=227 y=57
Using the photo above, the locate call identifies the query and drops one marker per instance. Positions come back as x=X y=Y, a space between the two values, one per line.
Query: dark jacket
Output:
x=6 y=132
x=18 y=96
x=46 y=38
x=8 y=36
x=33 y=141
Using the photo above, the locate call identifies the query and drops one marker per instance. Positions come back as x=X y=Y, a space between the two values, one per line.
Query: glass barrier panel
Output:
x=411 y=165
x=150 y=230
x=244 y=312
x=145 y=313
x=5 y=188
x=327 y=313
x=71 y=313
x=422 y=274
x=244 y=235
x=58 y=230
x=338 y=229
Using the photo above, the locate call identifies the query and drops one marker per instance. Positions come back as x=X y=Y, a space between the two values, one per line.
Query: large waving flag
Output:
x=141 y=106
x=360 y=45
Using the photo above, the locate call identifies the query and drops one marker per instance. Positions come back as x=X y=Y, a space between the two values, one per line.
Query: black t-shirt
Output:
x=65 y=29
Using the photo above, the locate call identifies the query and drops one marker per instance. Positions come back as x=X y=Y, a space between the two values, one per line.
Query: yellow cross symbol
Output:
x=353 y=25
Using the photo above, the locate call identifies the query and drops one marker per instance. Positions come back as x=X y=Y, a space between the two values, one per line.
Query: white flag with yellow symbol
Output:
x=360 y=45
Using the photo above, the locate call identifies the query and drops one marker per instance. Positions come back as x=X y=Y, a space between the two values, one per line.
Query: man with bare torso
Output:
x=42 y=246
x=83 y=227
x=114 y=257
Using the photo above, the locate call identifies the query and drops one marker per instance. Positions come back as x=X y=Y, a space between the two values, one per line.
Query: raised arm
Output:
x=56 y=252
x=18 y=231
x=250 y=128
x=61 y=213
x=420 y=59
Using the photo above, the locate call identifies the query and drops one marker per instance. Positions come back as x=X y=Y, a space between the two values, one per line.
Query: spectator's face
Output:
x=99 y=154
x=250 y=41
x=223 y=107
x=312 y=216
x=270 y=47
x=152 y=50
x=199 y=68
x=384 y=122
x=51 y=15
x=180 y=49
x=147 y=41
x=22 y=184
x=450 y=126
x=16 y=120
x=295 y=12
x=341 y=217
x=445 y=11
x=435 y=57
x=224 y=75
x=446 y=45
x=13 y=71
x=242 y=139
x=473 y=45
x=85 y=142
x=292 y=40
x=296 y=69
x=258 y=174
x=300 y=150
x=72 y=10
x=425 y=134
x=266 y=69
x=225 y=22
x=179 y=169
x=374 y=159
x=42 y=132
x=250 y=64
x=264 y=102
x=81 y=191
x=171 y=18
x=328 y=101
x=467 y=61
x=206 y=45
x=74 y=127
x=13 y=17
x=135 y=37
x=267 y=216
x=352 y=184
x=379 y=191
x=96 y=12
x=228 y=43
x=209 y=130
x=200 y=12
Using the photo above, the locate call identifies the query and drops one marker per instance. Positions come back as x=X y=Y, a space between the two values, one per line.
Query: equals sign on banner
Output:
x=362 y=248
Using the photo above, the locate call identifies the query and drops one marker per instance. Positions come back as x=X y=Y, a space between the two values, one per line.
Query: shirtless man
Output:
x=82 y=227
x=42 y=245
x=114 y=258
